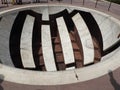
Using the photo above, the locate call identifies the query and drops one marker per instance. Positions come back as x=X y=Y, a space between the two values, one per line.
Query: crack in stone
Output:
x=76 y=76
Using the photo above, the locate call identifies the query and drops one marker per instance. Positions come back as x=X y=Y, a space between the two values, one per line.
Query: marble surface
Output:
x=110 y=32
x=84 y=37
x=109 y=29
x=26 y=43
x=61 y=77
x=109 y=62
x=5 y=29
x=45 y=14
x=65 y=41
x=47 y=49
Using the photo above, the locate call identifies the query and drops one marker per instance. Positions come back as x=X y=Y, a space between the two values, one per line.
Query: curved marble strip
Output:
x=47 y=49
x=45 y=14
x=84 y=36
x=26 y=43
x=65 y=41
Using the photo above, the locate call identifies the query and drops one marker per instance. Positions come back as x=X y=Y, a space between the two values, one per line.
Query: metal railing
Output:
x=5 y=2
x=100 y=0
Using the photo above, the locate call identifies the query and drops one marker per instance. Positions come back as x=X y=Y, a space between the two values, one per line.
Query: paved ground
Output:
x=110 y=81
x=107 y=82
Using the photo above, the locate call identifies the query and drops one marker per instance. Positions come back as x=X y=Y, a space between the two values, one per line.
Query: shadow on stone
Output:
x=0 y=61
x=0 y=18
x=114 y=83
x=1 y=80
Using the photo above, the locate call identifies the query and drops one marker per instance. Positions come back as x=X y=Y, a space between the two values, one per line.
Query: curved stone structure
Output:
x=51 y=38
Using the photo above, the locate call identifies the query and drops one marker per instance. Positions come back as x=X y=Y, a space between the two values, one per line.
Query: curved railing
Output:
x=94 y=3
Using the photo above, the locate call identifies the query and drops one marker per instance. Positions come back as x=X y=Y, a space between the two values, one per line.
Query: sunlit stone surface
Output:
x=64 y=41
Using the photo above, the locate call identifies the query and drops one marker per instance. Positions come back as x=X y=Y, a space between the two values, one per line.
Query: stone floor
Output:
x=107 y=82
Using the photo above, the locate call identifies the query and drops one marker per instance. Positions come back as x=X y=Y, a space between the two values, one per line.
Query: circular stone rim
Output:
x=62 y=77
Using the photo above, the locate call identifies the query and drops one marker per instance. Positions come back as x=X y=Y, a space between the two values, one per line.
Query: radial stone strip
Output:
x=26 y=43
x=45 y=14
x=84 y=36
x=47 y=49
x=66 y=42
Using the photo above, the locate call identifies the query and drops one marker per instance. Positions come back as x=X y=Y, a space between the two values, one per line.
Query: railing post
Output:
x=109 y=5
x=96 y=3
x=7 y=2
x=59 y=1
x=71 y=1
x=83 y=2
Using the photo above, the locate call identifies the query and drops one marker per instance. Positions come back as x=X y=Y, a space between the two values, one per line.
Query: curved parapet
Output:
x=70 y=44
